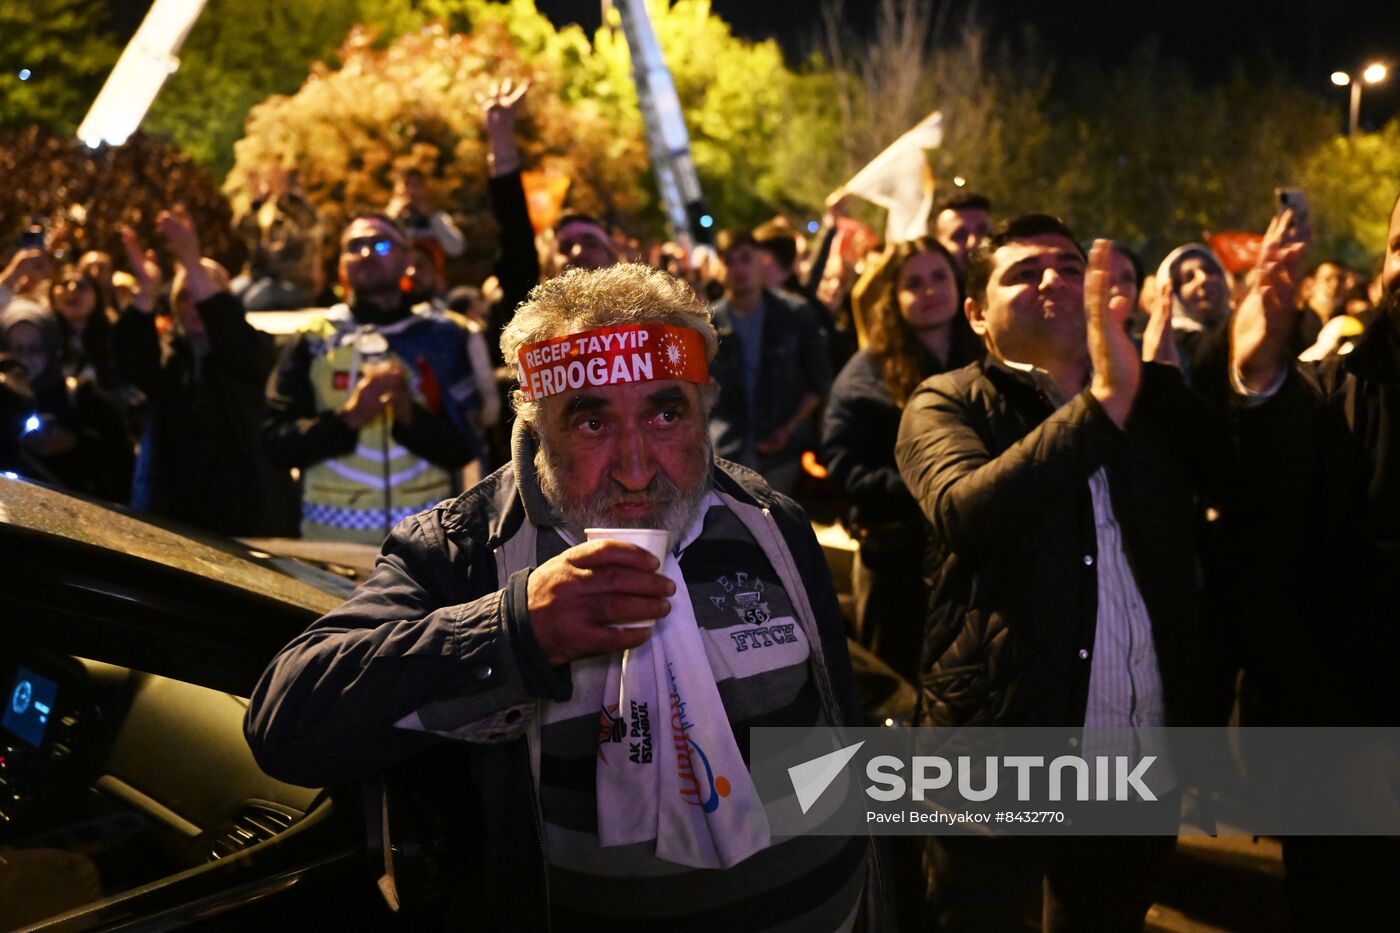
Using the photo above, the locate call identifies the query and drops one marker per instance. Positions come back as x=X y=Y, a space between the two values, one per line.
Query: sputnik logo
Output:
x=811 y=778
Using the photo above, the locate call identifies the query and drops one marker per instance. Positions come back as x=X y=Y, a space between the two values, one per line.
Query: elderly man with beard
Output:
x=1322 y=456
x=486 y=664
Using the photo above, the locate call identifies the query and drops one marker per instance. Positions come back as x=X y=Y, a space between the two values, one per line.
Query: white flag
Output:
x=899 y=180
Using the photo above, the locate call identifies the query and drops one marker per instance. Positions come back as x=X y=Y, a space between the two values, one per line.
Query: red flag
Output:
x=853 y=240
x=1236 y=250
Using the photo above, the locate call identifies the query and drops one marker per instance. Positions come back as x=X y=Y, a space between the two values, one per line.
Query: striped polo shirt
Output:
x=759 y=655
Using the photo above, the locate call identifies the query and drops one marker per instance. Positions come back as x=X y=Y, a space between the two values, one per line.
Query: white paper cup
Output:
x=651 y=540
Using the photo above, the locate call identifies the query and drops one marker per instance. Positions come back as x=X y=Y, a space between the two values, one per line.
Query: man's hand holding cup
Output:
x=600 y=597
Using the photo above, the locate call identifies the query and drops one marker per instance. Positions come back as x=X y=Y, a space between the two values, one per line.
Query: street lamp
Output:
x=1374 y=73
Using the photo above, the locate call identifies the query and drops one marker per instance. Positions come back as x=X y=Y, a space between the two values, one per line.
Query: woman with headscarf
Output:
x=911 y=306
x=76 y=436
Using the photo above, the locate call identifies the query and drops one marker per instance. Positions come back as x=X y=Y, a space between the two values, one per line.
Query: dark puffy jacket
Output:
x=432 y=626
x=1003 y=476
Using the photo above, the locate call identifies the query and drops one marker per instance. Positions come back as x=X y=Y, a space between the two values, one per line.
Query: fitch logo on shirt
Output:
x=748 y=604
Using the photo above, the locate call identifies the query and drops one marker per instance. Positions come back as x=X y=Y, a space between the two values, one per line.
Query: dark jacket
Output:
x=1002 y=475
x=1321 y=539
x=838 y=330
x=859 y=428
x=518 y=266
x=201 y=458
x=433 y=623
x=99 y=464
x=794 y=363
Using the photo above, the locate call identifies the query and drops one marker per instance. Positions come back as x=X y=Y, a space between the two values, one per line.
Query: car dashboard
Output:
x=114 y=782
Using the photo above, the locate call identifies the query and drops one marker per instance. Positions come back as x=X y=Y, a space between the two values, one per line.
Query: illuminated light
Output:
x=8 y=475
x=959 y=181
x=812 y=466
x=1341 y=78
x=148 y=59
x=24 y=74
x=813 y=226
x=31 y=424
x=889 y=722
x=706 y=221
x=1375 y=73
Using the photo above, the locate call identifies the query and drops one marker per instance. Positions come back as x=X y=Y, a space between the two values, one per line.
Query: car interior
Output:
x=116 y=784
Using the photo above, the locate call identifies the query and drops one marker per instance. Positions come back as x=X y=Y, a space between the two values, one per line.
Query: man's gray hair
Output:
x=586 y=299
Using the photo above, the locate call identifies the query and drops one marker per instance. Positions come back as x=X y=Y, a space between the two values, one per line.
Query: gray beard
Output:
x=678 y=510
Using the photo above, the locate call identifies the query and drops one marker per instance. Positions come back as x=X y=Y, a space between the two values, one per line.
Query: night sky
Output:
x=1309 y=38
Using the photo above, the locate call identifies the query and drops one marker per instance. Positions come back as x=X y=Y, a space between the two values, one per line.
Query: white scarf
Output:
x=693 y=794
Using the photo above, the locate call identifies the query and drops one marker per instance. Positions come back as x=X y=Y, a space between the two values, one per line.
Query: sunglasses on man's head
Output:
x=364 y=245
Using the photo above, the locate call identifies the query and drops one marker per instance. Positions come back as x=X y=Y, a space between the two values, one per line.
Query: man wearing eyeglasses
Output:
x=371 y=402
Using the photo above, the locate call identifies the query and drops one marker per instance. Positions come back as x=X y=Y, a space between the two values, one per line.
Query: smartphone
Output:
x=32 y=238
x=1291 y=199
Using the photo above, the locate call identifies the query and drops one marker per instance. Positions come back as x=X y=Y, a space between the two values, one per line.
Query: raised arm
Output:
x=518 y=268
x=1259 y=346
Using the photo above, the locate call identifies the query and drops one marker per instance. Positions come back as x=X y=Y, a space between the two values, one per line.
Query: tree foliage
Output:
x=81 y=196
x=349 y=129
x=1143 y=156
x=1141 y=153
x=239 y=53
x=1352 y=185
x=373 y=107
x=65 y=48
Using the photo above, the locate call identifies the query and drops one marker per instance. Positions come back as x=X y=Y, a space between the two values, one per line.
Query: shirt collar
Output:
x=1038 y=378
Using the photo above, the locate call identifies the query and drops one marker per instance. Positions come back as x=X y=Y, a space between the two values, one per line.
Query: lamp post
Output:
x=1374 y=73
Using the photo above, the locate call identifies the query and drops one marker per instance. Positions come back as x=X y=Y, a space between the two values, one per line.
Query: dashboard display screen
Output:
x=28 y=706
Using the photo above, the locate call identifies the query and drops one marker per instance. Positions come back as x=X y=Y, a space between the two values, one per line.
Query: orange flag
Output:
x=544 y=197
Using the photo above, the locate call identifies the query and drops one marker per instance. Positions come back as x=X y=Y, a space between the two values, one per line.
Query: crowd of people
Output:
x=1081 y=494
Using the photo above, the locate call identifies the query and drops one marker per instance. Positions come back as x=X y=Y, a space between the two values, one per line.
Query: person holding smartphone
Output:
x=1321 y=446
x=74 y=435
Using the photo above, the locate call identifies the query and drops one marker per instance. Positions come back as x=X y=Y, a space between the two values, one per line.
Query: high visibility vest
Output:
x=361 y=495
